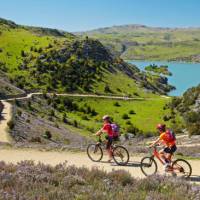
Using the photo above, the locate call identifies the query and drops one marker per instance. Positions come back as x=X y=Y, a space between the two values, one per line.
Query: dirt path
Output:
x=81 y=159
x=6 y=117
x=90 y=95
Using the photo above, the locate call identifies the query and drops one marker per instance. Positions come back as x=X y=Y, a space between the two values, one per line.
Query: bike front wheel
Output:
x=120 y=155
x=148 y=166
x=95 y=152
x=182 y=168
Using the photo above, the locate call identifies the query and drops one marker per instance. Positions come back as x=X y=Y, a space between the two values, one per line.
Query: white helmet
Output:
x=105 y=117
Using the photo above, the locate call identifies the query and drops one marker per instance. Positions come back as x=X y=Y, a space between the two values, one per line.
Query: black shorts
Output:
x=109 y=141
x=170 y=150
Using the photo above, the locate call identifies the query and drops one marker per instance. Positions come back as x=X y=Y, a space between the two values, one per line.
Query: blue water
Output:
x=185 y=75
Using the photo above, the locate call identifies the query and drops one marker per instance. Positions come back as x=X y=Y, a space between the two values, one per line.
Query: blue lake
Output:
x=185 y=75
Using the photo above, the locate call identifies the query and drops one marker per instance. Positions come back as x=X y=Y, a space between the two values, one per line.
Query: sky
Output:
x=82 y=15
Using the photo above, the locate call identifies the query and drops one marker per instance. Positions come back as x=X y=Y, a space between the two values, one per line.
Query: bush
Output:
x=11 y=124
x=35 y=139
x=128 y=122
x=93 y=112
x=107 y=89
x=19 y=112
x=52 y=113
x=125 y=116
x=116 y=104
x=64 y=118
x=47 y=135
x=85 y=117
x=134 y=130
x=17 y=102
x=132 y=112
x=23 y=54
x=75 y=123
x=166 y=118
x=69 y=182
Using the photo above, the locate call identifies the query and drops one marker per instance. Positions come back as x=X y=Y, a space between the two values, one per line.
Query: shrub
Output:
x=85 y=117
x=69 y=182
x=132 y=112
x=64 y=118
x=107 y=89
x=17 y=102
x=125 y=116
x=93 y=112
x=35 y=139
x=52 y=113
x=11 y=124
x=75 y=123
x=28 y=121
x=166 y=118
x=47 y=135
x=128 y=122
x=132 y=129
x=116 y=104
x=136 y=94
x=19 y=112
x=23 y=54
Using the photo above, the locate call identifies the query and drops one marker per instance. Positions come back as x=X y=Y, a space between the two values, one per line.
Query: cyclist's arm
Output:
x=98 y=133
x=155 y=142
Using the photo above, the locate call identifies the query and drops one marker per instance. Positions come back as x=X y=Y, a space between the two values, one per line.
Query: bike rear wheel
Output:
x=120 y=155
x=148 y=166
x=182 y=168
x=95 y=152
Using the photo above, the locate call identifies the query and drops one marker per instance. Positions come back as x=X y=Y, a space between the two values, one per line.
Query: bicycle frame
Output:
x=157 y=155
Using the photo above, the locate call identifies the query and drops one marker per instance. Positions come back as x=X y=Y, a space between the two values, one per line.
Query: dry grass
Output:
x=29 y=181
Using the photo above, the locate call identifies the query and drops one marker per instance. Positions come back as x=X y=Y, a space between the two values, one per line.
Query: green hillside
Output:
x=189 y=108
x=149 y=43
x=45 y=59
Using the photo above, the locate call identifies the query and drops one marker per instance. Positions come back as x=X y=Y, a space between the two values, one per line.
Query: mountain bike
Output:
x=120 y=154
x=178 y=167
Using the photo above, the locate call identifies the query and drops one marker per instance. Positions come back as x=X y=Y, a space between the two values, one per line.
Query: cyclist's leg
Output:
x=170 y=152
x=162 y=154
x=108 y=147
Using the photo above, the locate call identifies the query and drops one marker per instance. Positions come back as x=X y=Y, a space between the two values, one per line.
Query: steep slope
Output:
x=51 y=60
x=151 y=43
x=189 y=107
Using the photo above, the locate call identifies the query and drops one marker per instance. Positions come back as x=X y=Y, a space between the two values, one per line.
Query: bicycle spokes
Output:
x=94 y=152
x=148 y=166
x=182 y=168
x=120 y=155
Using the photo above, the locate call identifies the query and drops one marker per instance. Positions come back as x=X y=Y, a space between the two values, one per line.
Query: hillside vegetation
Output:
x=55 y=121
x=150 y=43
x=189 y=107
x=29 y=181
x=50 y=60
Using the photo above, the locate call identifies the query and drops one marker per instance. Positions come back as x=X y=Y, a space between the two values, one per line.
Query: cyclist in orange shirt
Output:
x=168 y=139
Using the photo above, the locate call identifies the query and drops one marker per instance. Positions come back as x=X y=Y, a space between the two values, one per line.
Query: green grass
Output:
x=13 y=41
x=148 y=113
x=122 y=85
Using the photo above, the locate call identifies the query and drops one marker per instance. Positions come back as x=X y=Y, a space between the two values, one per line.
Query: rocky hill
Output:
x=50 y=60
x=189 y=107
x=150 y=43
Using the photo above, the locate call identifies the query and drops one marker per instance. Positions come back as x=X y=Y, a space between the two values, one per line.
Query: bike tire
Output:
x=97 y=148
x=148 y=162
x=116 y=154
x=181 y=170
